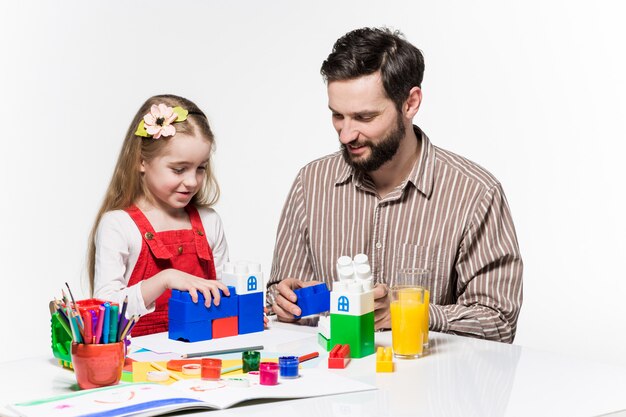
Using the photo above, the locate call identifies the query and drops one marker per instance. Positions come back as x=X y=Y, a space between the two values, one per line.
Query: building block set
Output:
x=352 y=306
x=240 y=313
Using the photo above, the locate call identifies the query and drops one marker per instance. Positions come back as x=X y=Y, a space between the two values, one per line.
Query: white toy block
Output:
x=361 y=259
x=246 y=277
x=352 y=298
x=342 y=262
x=352 y=294
x=323 y=326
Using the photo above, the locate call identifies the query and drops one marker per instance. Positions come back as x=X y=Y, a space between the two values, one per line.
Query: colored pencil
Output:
x=221 y=352
x=129 y=326
x=80 y=319
x=122 y=319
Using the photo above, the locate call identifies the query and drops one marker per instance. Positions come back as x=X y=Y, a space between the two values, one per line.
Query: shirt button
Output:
x=180 y=250
x=200 y=233
x=149 y=235
x=379 y=245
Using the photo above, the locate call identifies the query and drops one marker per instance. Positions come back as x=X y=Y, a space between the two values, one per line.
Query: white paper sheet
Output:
x=270 y=339
x=154 y=399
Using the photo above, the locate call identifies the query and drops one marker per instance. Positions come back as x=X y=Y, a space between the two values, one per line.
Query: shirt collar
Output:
x=421 y=176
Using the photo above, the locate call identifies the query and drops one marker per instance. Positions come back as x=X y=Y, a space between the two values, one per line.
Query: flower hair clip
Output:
x=159 y=121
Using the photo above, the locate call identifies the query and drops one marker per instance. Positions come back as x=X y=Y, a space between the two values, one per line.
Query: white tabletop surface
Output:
x=460 y=377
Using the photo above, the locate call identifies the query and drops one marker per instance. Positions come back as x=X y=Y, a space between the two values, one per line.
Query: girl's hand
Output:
x=183 y=281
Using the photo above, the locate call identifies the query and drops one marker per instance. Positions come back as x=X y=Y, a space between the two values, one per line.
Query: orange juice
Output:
x=407 y=322
x=426 y=317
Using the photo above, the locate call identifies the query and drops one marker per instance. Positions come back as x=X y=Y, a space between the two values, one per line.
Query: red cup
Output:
x=97 y=365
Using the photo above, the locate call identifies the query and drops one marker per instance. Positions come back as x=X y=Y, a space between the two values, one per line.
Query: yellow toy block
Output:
x=384 y=359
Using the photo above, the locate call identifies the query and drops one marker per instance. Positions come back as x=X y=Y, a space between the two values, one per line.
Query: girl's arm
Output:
x=118 y=244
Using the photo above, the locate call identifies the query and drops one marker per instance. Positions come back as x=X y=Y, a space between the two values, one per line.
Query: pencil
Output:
x=122 y=319
x=221 y=352
x=129 y=327
x=80 y=319
x=160 y=368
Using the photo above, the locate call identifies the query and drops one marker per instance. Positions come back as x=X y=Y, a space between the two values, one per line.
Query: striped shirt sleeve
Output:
x=489 y=270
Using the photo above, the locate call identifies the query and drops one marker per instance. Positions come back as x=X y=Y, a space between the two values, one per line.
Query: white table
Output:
x=460 y=377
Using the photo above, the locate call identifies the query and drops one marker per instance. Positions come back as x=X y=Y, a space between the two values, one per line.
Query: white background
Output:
x=534 y=91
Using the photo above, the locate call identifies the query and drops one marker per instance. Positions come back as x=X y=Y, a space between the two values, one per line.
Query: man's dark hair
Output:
x=367 y=50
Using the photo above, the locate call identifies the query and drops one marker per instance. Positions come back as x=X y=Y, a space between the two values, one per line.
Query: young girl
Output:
x=155 y=230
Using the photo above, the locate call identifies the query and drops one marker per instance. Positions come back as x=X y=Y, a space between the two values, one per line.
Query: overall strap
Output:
x=147 y=233
x=202 y=245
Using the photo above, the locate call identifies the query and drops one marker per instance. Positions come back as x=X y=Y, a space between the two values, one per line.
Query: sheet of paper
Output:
x=271 y=339
x=155 y=399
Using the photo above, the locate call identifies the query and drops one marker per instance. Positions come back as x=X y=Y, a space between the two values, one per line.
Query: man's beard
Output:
x=379 y=153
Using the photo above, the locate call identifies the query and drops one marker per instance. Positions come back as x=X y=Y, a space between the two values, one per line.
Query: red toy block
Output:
x=224 y=327
x=339 y=357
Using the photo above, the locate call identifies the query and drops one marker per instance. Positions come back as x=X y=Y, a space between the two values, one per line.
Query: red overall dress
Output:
x=185 y=250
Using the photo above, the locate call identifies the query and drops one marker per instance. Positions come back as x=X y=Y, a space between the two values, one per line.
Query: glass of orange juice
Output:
x=409 y=313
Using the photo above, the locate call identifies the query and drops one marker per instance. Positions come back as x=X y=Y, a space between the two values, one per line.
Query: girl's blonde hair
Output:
x=127 y=184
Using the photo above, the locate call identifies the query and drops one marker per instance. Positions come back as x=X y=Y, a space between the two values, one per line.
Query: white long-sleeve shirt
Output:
x=118 y=244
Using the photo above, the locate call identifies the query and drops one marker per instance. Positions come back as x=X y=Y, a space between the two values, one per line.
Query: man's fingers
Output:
x=287 y=305
x=285 y=290
x=380 y=291
x=282 y=314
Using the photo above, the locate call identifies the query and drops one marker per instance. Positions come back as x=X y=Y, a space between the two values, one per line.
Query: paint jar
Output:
x=211 y=369
x=268 y=373
x=250 y=360
x=97 y=365
x=288 y=366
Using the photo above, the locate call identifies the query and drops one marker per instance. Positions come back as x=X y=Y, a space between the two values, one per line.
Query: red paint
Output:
x=211 y=369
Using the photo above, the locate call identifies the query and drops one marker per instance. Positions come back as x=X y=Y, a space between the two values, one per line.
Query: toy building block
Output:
x=243 y=308
x=183 y=309
x=323 y=342
x=312 y=300
x=339 y=357
x=245 y=276
x=352 y=306
x=384 y=359
x=251 y=313
x=323 y=335
x=356 y=331
x=225 y=327
x=192 y=322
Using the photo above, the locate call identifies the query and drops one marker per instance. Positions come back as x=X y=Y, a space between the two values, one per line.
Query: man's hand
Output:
x=284 y=302
x=382 y=314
